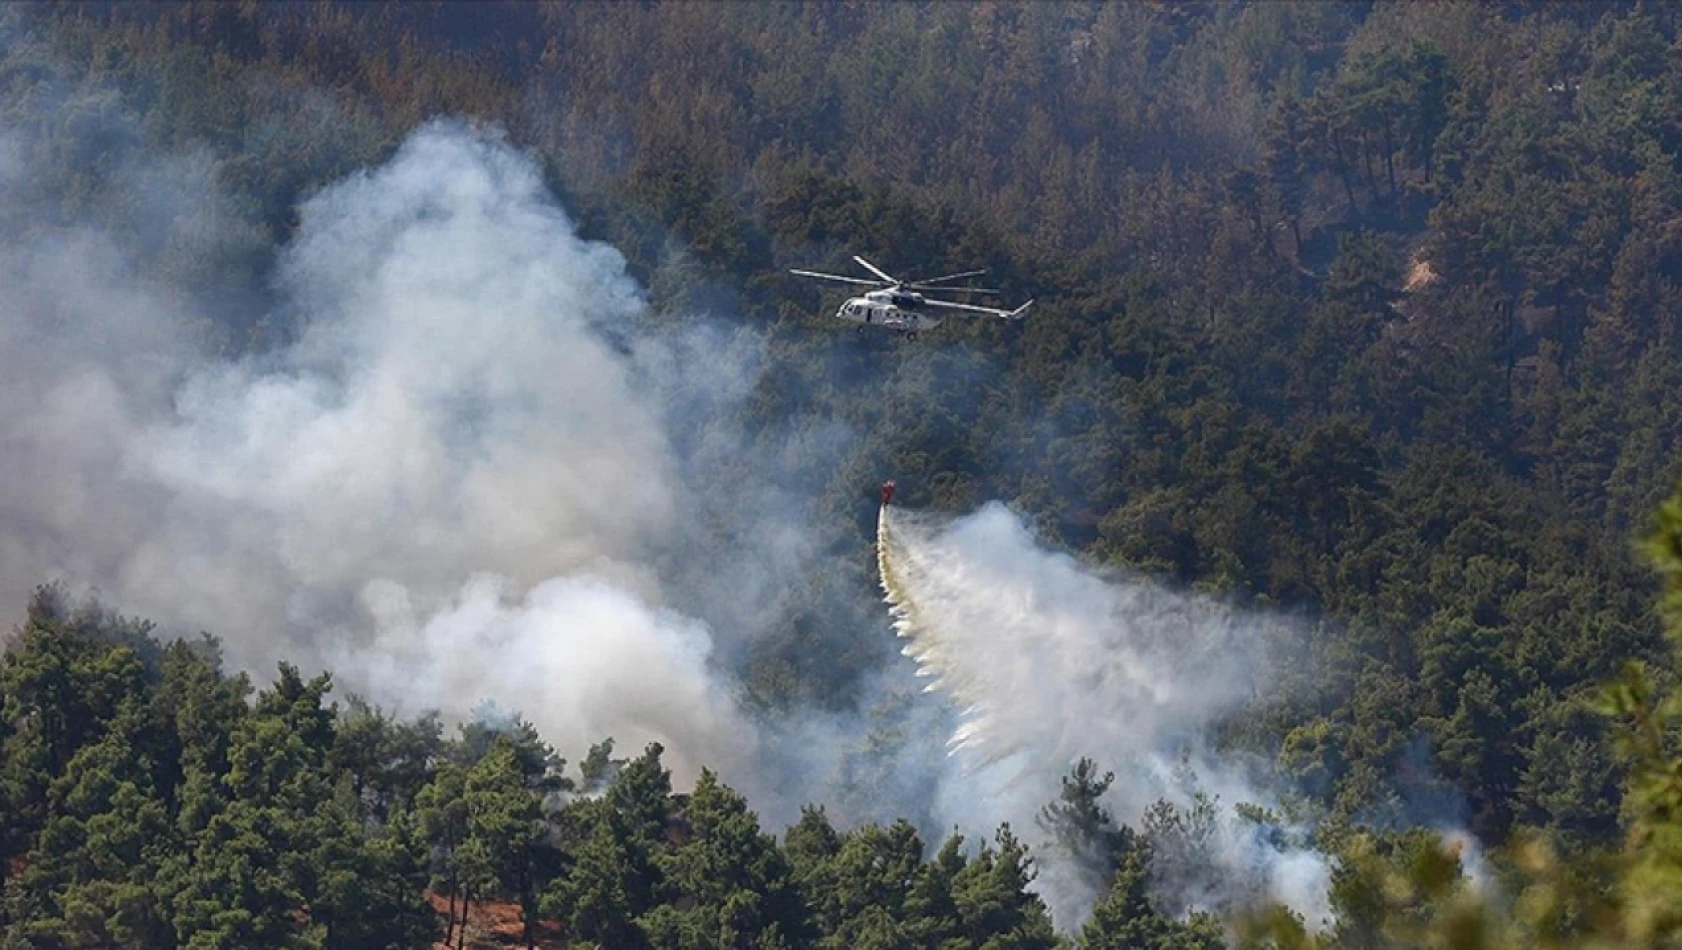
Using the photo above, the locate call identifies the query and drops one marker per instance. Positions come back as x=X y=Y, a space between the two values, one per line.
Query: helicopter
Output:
x=899 y=305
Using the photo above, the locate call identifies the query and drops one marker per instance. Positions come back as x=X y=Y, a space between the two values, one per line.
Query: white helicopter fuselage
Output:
x=890 y=310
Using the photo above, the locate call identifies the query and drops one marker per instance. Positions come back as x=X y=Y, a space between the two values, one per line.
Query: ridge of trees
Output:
x=149 y=799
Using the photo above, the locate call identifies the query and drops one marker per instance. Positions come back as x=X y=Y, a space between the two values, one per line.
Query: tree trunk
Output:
x=1510 y=349
x=528 y=908
x=450 y=926
x=1365 y=147
x=1344 y=170
x=1390 y=161
x=461 y=940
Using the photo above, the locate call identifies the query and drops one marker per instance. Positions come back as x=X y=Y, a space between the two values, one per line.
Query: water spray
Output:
x=1049 y=660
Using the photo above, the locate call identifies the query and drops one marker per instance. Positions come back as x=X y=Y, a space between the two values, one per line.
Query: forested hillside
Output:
x=1362 y=314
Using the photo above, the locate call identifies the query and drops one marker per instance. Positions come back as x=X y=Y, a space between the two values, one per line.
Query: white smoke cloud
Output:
x=88 y=350
x=446 y=410
x=449 y=487
x=1050 y=663
x=582 y=656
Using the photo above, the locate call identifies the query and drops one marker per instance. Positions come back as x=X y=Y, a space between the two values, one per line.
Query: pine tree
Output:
x=735 y=887
x=995 y=906
x=1126 y=919
x=1083 y=829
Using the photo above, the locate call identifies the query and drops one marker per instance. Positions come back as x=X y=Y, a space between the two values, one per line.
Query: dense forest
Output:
x=1365 y=314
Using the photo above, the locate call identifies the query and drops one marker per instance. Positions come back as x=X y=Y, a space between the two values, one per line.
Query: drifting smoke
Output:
x=449 y=486
x=1049 y=663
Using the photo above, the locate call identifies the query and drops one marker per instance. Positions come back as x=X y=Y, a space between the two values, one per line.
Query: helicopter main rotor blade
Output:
x=989 y=311
x=836 y=277
x=953 y=290
x=941 y=280
x=874 y=269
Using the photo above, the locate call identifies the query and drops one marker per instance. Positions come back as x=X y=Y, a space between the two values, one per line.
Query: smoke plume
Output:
x=447 y=486
x=1049 y=662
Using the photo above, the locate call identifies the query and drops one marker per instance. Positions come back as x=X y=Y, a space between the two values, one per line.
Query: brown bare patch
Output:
x=1420 y=276
x=495 y=924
